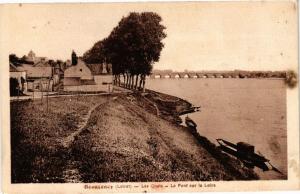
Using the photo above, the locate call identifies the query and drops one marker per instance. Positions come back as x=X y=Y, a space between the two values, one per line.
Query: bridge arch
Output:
x=176 y=76
x=199 y=75
x=186 y=75
x=167 y=76
x=157 y=76
x=219 y=76
x=194 y=76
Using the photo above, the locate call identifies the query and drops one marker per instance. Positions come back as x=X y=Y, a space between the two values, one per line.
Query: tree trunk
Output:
x=144 y=82
x=140 y=86
x=132 y=82
x=136 y=81
x=127 y=80
x=124 y=79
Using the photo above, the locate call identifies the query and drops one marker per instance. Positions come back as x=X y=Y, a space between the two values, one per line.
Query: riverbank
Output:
x=127 y=137
x=242 y=110
x=137 y=138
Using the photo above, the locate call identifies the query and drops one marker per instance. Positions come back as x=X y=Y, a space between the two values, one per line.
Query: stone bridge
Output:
x=224 y=74
x=195 y=75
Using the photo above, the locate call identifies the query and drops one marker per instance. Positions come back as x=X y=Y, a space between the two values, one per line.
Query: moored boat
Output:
x=246 y=153
x=190 y=123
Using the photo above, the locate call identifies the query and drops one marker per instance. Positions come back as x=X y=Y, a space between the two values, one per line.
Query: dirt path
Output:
x=66 y=142
x=71 y=173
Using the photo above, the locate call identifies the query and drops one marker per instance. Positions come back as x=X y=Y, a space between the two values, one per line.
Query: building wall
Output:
x=99 y=80
x=40 y=85
x=72 y=81
x=55 y=79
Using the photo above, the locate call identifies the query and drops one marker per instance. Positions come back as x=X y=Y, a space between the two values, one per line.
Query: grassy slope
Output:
x=123 y=142
x=36 y=136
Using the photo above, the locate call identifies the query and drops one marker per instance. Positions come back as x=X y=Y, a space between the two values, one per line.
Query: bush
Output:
x=291 y=79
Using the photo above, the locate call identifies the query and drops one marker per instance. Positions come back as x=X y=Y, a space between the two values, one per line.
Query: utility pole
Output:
x=41 y=84
x=33 y=90
x=18 y=93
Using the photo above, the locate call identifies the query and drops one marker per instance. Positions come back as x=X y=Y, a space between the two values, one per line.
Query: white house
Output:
x=78 y=74
x=88 y=77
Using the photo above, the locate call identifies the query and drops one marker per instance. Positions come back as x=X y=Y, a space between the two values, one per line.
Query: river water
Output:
x=249 y=110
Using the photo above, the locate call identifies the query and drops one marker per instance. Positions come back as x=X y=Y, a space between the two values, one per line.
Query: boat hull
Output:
x=249 y=159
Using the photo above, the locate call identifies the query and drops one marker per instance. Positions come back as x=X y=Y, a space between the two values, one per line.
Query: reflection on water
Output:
x=249 y=110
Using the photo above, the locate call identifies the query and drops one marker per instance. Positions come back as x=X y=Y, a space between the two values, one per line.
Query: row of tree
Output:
x=18 y=61
x=14 y=59
x=132 y=48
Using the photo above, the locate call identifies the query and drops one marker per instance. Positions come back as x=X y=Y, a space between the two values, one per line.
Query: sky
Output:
x=200 y=36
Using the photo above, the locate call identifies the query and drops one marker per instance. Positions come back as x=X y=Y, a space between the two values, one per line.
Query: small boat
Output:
x=245 y=152
x=190 y=123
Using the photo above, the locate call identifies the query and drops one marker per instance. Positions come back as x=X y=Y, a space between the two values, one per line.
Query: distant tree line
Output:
x=14 y=59
x=132 y=48
x=17 y=61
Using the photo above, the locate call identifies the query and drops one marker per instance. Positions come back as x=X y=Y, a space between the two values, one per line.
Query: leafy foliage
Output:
x=95 y=54
x=14 y=59
x=137 y=42
x=132 y=47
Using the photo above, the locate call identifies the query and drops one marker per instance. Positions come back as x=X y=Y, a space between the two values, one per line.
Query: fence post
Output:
x=33 y=90
x=41 y=84
x=48 y=93
x=18 y=93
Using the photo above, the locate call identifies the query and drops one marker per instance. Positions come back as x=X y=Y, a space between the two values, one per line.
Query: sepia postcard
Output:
x=149 y=97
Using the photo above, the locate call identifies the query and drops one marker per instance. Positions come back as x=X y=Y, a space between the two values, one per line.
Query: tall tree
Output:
x=134 y=45
x=13 y=59
x=95 y=54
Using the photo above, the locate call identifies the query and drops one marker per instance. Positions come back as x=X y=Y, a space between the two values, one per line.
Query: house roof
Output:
x=78 y=70
x=42 y=63
x=36 y=72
